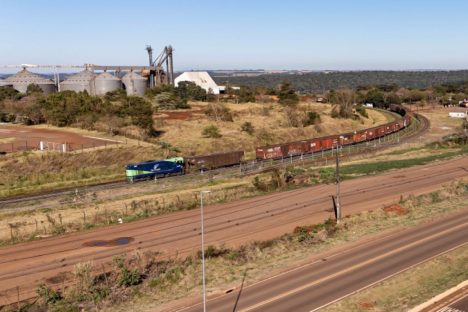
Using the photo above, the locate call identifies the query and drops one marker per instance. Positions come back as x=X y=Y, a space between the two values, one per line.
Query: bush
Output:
x=312 y=118
x=287 y=95
x=218 y=112
x=211 y=132
x=48 y=295
x=362 y=111
x=33 y=88
x=127 y=277
x=248 y=127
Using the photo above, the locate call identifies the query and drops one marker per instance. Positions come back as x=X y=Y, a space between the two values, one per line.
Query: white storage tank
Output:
x=134 y=83
x=106 y=82
x=79 y=82
x=21 y=80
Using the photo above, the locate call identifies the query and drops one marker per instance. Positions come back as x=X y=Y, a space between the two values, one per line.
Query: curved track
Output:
x=259 y=166
x=26 y=265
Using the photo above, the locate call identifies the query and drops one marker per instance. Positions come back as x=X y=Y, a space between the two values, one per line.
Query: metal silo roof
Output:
x=26 y=77
x=83 y=76
x=106 y=76
x=132 y=76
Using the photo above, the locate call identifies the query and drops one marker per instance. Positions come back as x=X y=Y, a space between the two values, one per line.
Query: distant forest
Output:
x=321 y=82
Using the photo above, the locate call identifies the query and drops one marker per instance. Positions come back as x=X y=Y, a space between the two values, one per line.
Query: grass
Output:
x=410 y=288
x=91 y=211
x=165 y=280
x=24 y=173
x=381 y=166
x=35 y=172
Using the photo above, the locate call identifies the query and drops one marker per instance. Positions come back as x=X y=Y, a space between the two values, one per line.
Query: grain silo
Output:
x=79 y=82
x=134 y=83
x=105 y=82
x=24 y=78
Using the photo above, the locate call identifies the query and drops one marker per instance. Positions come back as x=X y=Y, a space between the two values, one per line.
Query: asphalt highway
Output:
x=315 y=285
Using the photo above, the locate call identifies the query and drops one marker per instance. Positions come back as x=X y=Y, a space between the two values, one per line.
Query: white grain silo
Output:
x=79 y=82
x=105 y=82
x=134 y=83
x=21 y=80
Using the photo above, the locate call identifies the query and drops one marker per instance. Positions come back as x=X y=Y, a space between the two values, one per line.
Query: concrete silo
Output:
x=79 y=82
x=105 y=82
x=134 y=83
x=21 y=80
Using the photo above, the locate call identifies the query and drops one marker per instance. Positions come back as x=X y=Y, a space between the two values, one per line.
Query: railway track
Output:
x=178 y=234
x=246 y=168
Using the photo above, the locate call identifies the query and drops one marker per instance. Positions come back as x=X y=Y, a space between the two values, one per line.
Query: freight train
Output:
x=179 y=165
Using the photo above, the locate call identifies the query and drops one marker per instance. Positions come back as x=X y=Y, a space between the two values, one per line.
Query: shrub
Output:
x=48 y=295
x=218 y=112
x=127 y=276
x=362 y=111
x=33 y=88
x=248 y=127
x=287 y=95
x=312 y=118
x=211 y=132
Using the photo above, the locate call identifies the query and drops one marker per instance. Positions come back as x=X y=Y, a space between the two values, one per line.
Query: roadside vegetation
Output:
x=150 y=280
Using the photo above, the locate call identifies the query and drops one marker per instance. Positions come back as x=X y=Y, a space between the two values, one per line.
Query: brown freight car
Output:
x=213 y=161
x=270 y=152
x=360 y=136
x=329 y=142
x=297 y=148
x=314 y=145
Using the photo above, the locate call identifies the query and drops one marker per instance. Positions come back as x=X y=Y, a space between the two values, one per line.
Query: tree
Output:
x=33 y=88
x=343 y=101
x=287 y=95
x=245 y=95
x=187 y=90
x=140 y=112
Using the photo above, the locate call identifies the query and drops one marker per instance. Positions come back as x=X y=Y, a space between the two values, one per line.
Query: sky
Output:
x=242 y=34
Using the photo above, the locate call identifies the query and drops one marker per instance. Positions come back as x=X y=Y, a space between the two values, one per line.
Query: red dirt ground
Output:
x=396 y=209
x=19 y=137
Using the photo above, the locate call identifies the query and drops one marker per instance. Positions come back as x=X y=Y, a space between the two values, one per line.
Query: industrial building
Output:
x=134 y=79
x=202 y=79
x=21 y=80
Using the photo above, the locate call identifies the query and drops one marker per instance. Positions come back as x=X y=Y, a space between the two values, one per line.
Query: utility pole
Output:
x=337 y=174
x=203 y=248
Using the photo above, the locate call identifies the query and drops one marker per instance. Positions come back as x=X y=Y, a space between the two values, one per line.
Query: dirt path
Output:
x=26 y=265
x=19 y=137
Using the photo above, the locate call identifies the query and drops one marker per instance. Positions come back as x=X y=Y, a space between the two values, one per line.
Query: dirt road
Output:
x=26 y=265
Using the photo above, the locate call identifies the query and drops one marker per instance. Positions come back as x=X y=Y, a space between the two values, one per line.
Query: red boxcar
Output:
x=314 y=145
x=297 y=148
x=269 y=152
x=329 y=142
x=346 y=139
x=360 y=136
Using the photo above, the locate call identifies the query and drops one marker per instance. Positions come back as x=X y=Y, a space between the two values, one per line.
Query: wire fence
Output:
x=50 y=145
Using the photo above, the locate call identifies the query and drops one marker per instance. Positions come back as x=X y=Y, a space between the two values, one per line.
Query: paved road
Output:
x=26 y=265
x=315 y=285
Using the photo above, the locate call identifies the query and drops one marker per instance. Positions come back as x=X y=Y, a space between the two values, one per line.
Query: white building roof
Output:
x=202 y=79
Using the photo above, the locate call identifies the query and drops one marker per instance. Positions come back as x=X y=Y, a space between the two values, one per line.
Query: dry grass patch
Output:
x=269 y=123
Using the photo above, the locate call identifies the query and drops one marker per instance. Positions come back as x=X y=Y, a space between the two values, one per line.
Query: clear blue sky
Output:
x=209 y=34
